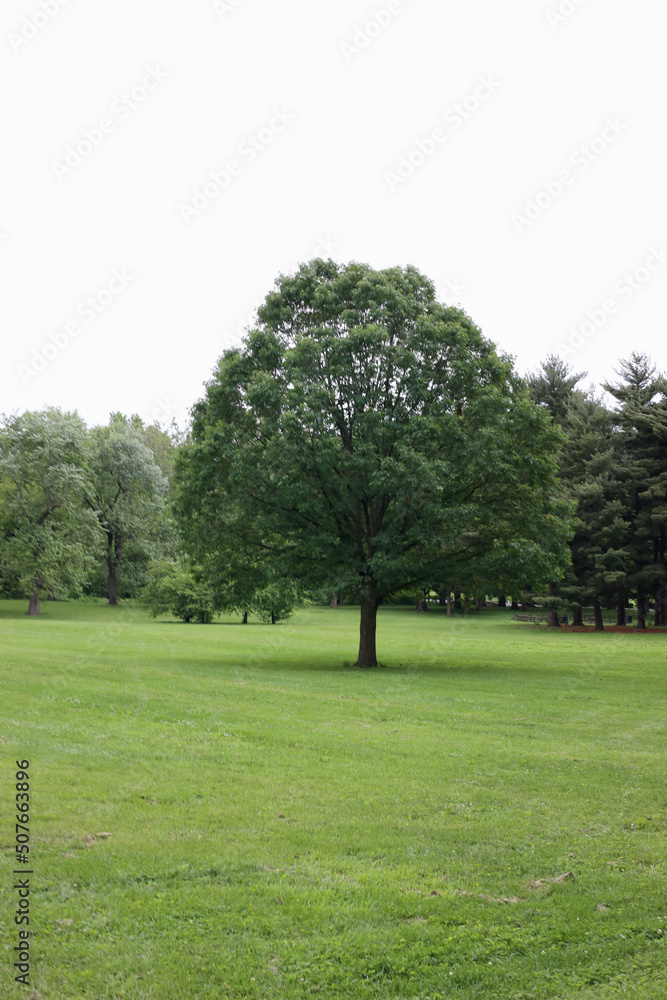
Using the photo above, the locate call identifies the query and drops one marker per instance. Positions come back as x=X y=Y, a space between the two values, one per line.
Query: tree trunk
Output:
x=114 y=554
x=273 y=618
x=641 y=607
x=113 y=586
x=501 y=601
x=457 y=600
x=369 y=609
x=442 y=597
x=480 y=604
x=449 y=604
x=553 y=614
x=245 y=617
x=597 y=611
x=661 y=603
x=334 y=602
x=33 y=606
x=515 y=606
x=577 y=618
x=620 y=608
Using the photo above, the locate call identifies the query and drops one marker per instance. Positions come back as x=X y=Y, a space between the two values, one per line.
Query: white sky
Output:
x=532 y=87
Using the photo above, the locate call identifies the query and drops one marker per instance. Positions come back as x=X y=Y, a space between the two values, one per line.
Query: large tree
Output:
x=128 y=494
x=47 y=534
x=642 y=471
x=363 y=436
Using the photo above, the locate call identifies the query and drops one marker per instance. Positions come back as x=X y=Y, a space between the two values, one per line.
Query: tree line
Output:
x=364 y=440
x=612 y=464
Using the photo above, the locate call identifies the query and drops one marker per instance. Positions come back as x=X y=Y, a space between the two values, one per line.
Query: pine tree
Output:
x=642 y=469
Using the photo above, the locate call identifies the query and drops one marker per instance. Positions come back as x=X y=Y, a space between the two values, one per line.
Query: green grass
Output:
x=287 y=826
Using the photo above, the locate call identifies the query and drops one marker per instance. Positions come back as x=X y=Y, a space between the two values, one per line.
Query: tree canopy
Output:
x=128 y=495
x=364 y=436
x=49 y=536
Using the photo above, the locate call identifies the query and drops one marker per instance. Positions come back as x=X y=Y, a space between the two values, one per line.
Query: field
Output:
x=482 y=817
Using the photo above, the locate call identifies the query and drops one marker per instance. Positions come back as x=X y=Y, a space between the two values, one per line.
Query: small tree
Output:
x=276 y=601
x=177 y=588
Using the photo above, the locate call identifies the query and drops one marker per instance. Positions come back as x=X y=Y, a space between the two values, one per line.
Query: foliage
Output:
x=129 y=496
x=365 y=438
x=177 y=588
x=552 y=386
x=276 y=601
x=613 y=467
x=48 y=536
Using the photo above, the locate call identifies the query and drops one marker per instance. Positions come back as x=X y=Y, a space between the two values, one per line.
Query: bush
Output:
x=177 y=588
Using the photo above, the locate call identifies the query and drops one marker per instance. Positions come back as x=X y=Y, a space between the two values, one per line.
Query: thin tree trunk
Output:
x=577 y=618
x=553 y=614
x=597 y=611
x=442 y=597
x=515 y=606
x=334 y=602
x=113 y=584
x=457 y=600
x=501 y=601
x=273 y=618
x=480 y=603
x=620 y=608
x=33 y=606
x=449 y=604
x=245 y=617
x=662 y=596
x=367 y=628
x=114 y=554
x=641 y=607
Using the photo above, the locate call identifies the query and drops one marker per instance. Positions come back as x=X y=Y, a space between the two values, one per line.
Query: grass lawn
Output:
x=483 y=817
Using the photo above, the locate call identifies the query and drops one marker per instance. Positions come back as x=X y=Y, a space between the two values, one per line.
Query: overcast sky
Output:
x=164 y=161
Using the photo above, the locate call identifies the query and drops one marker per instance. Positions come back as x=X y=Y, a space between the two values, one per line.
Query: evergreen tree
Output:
x=642 y=469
